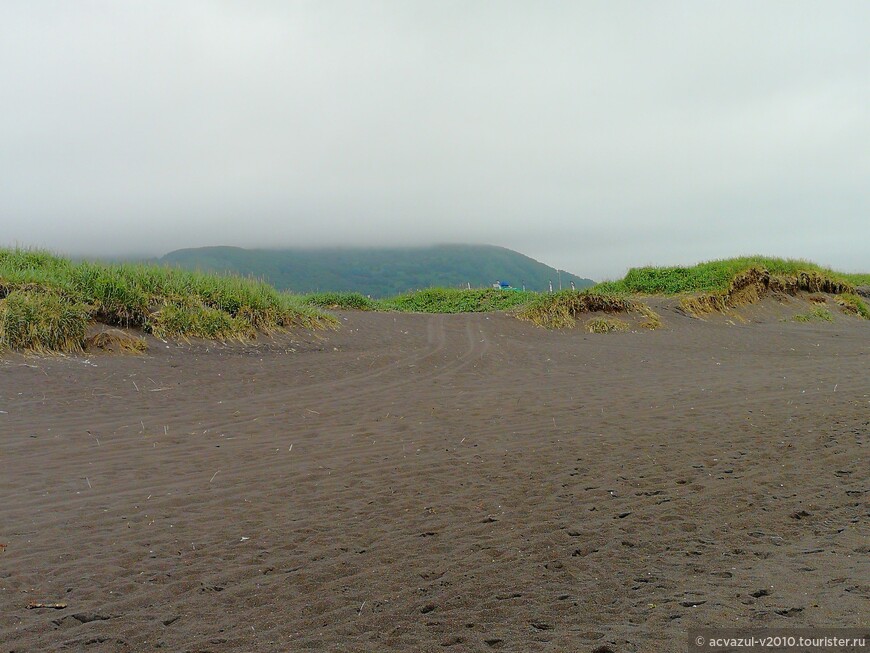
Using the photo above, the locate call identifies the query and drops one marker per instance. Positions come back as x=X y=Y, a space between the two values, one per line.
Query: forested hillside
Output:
x=379 y=272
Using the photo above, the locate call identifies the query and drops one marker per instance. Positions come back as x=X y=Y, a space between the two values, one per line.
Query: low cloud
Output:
x=592 y=136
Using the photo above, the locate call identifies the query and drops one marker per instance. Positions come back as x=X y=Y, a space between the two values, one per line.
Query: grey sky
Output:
x=590 y=135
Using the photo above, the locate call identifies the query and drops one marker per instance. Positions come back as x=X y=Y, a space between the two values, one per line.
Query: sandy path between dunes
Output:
x=431 y=483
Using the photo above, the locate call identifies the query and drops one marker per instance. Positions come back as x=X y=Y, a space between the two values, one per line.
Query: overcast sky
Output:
x=593 y=136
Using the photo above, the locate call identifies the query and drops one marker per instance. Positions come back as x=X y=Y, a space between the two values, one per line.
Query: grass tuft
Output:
x=114 y=340
x=341 y=300
x=606 y=325
x=196 y=321
x=815 y=314
x=42 y=322
x=652 y=320
x=853 y=305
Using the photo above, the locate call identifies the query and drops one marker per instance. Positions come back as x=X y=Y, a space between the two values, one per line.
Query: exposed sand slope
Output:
x=430 y=483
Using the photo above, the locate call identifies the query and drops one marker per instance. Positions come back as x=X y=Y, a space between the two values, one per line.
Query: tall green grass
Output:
x=429 y=300
x=858 y=279
x=42 y=322
x=455 y=300
x=342 y=300
x=47 y=301
x=712 y=276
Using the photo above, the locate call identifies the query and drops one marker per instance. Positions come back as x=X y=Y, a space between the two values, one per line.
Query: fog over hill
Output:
x=379 y=272
x=592 y=135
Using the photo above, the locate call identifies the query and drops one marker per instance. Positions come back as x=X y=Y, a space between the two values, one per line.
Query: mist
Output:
x=592 y=136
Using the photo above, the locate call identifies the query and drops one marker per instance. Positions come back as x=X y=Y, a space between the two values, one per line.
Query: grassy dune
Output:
x=704 y=288
x=718 y=286
x=563 y=309
x=47 y=303
x=718 y=275
x=555 y=311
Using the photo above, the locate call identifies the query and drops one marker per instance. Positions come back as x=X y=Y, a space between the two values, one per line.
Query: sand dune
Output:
x=432 y=482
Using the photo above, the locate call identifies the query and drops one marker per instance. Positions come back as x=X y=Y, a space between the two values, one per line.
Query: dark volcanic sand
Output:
x=430 y=483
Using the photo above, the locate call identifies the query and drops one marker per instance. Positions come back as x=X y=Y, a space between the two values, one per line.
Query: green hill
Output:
x=379 y=272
